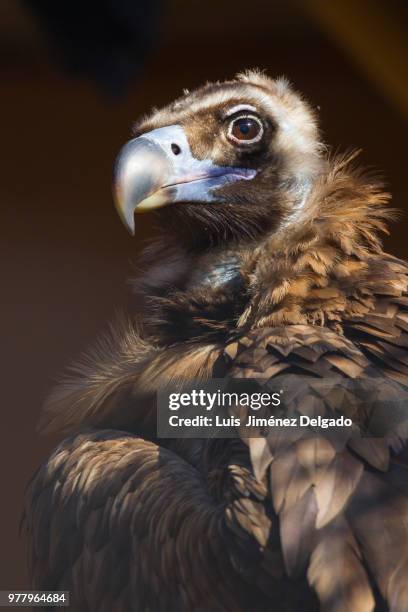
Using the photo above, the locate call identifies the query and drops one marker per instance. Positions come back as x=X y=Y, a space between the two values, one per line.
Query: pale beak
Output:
x=158 y=168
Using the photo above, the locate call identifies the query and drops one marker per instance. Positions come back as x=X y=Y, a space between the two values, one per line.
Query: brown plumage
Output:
x=279 y=275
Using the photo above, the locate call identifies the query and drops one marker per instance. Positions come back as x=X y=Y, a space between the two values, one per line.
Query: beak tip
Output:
x=129 y=224
x=126 y=216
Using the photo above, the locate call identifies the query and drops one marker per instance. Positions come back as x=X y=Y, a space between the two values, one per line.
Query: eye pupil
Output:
x=245 y=129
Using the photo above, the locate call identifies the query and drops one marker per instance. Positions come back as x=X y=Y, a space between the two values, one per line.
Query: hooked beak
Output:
x=158 y=168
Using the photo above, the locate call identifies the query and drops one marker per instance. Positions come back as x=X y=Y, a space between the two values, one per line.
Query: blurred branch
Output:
x=373 y=37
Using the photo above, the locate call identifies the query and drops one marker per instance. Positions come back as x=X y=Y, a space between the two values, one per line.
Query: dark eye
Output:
x=245 y=130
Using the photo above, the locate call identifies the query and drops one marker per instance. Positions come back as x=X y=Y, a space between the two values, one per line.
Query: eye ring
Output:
x=243 y=126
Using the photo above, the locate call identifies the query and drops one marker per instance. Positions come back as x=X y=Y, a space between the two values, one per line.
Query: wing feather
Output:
x=333 y=494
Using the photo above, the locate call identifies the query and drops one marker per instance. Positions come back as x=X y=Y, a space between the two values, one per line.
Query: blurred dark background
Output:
x=74 y=75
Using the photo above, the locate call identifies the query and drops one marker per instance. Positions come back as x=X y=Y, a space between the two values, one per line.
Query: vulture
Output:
x=267 y=269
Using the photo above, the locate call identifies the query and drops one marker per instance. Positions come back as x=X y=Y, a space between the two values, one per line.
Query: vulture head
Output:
x=230 y=159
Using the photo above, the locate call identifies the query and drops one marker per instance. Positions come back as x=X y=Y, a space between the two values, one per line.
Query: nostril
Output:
x=175 y=148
